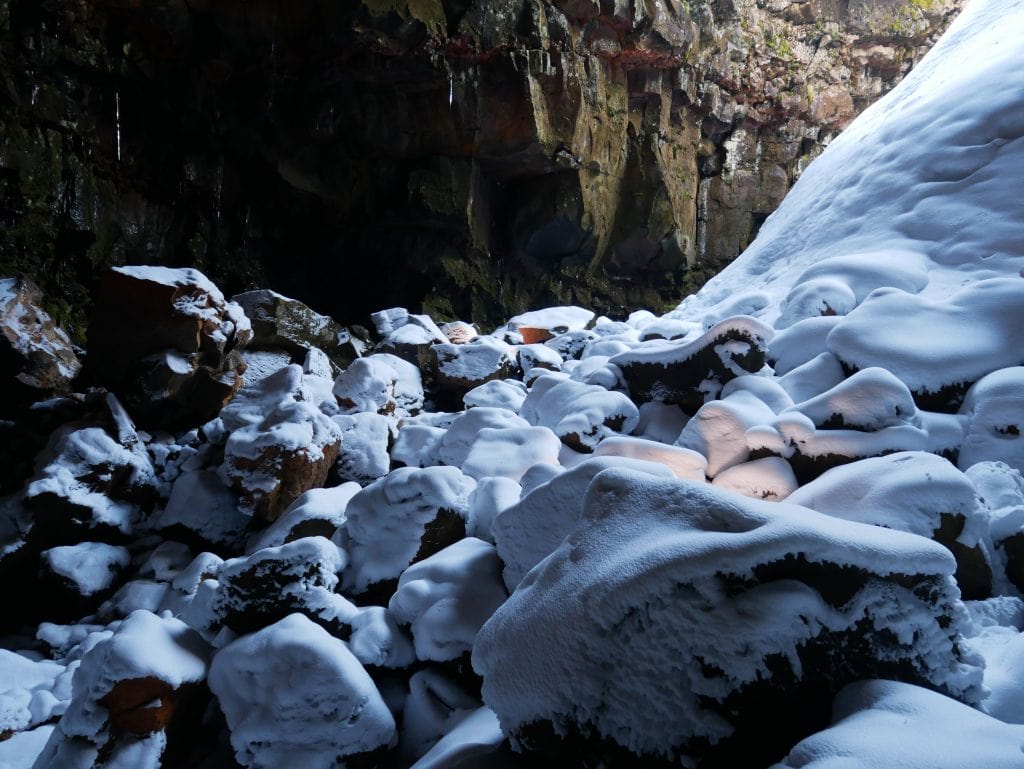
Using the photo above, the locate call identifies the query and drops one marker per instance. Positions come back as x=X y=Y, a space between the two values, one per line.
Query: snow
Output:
x=21 y=750
x=90 y=566
x=557 y=320
x=499 y=393
x=447 y=597
x=476 y=361
x=462 y=434
x=435 y=706
x=994 y=407
x=31 y=691
x=927 y=175
x=800 y=343
x=510 y=452
x=293 y=695
x=417 y=445
x=527 y=532
x=202 y=504
x=887 y=723
x=933 y=343
x=683 y=463
x=386 y=520
x=143 y=646
x=380 y=382
x=622 y=593
x=580 y=415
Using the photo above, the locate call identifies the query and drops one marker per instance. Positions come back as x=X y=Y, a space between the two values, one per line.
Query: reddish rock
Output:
x=168 y=343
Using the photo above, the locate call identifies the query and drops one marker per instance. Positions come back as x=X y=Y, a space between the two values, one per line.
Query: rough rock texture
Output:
x=168 y=343
x=684 y=623
x=36 y=355
x=608 y=153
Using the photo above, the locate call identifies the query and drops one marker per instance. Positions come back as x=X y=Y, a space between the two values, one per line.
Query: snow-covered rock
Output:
x=678 y=616
x=257 y=590
x=318 y=512
x=202 y=510
x=580 y=415
x=37 y=353
x=914 y=492
x=132 y=686
x=381 y=382
x=167 y=342
x=718 y=429
x=540 y=325
x=683 y=463
x=281 y=323
x=689 y=373
x=294 y=695
x=407 y=515
x=888 y=723
x=447 y=597
x=459 y=368
x=280 y=444
x=363 y=455
x=89 y=482
x=509 y=452
x=994 y=407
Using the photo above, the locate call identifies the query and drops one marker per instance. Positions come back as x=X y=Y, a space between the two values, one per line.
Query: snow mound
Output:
x=293 y=695
x=926 y=176
x=581 y=415
x=447 y=597
x=403 y=517
x=887 y=723
x=673 y=605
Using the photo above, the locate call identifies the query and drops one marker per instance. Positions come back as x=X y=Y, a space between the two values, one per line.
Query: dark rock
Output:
x=283 y=151
x=167 y=343
x=679 y=623
x=689 y=374
x=280 y=323
x=36 y=355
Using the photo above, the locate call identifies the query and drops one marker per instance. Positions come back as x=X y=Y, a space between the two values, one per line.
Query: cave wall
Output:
x=466 y=157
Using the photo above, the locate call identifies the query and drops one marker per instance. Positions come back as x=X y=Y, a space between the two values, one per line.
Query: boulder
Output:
x=381 y=382
x=458 y=368
x=167 y=342
x=447 y=597
x=92 y=482
x=404 y=517
x=293 y=695
x=144 y=682
x=686 y=624
x=581 y=415
x=280 y=443
x=690 y=373
x=281 y=323
x=916 y=492
x=252 y=592
x=36 y=355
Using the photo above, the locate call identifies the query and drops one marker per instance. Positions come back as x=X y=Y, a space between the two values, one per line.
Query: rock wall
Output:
x=470 y=156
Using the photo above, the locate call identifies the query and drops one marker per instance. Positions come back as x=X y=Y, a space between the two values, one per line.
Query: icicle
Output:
x=451 y=89
x=117 y=125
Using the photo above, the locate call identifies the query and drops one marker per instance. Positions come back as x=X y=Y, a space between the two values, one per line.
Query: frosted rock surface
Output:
x=293 y=695
x=669 y=594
